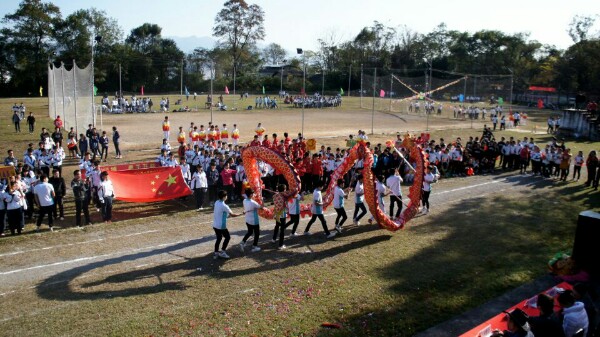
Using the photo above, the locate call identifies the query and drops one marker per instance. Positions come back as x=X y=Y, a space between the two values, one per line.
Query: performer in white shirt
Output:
x=393 y=182
x=338 y=204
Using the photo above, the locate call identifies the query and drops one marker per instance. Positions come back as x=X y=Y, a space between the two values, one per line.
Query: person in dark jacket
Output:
x=212 y=178
x=60 y=189
x=82 y=194
x=547 y=324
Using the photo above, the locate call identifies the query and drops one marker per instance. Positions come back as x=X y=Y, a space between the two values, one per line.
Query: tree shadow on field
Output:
x=496 y=245
x=269 y=259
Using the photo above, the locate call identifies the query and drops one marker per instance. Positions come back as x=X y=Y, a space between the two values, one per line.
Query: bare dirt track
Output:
x=145 y=128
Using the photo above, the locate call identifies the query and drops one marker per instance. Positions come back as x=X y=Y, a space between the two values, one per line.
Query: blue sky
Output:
x=295 y=24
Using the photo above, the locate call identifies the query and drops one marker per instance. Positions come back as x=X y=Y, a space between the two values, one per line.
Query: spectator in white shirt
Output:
x=44 y=198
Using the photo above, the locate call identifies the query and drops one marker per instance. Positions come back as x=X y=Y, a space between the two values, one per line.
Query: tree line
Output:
x=37 y=34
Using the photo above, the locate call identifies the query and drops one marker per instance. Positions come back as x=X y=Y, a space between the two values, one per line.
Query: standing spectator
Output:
x=212 y=178
x=60 y=189
x=81 y=193
x=199 y=186
x=166 y=127
x=428 y=179
x=58 y=123
x=17 y=121
x=104 y=146
x=579 y=160
x=14 y=199
x=57 y=137
x=83 y=144
x=31 y=122
x=592 y=165
x=44 y=198
x=106 y=194
x=94 y=145
x=227 y=175
x=2 y=209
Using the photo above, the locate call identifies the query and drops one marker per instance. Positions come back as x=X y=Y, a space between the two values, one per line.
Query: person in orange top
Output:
x=266 y=142
x=259 y=132
x=181 y=136
x=235 y=134
x=225 y=134
x=195 y=136
x=191 y=130
x=166 y=127
x=217 y=133
x=202 y=135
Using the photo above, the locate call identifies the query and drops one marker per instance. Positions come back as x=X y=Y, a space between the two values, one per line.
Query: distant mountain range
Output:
x=187 y=44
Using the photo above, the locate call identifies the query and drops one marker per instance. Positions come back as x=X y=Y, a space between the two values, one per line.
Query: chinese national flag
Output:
x=149 y=185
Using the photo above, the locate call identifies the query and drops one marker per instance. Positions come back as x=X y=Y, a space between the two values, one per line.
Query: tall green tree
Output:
x=239 y=26
x=29 y=38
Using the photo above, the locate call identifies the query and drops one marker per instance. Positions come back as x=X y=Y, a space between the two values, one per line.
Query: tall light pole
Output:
x=95 y=40
x=281 y=73
x=428 y=89
x=512 y=75
x=301 y=52
x=212 y=75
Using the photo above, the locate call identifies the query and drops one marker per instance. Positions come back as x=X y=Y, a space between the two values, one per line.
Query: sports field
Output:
x=151 y=272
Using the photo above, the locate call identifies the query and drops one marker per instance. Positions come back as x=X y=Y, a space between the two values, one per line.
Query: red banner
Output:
x=546 y=89
x=130 y=166
x=149 y=185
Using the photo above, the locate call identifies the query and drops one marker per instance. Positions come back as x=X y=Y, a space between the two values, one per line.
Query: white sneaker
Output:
x=358 y=223
x=294 y=234
x=354 y=222
x=216 y=255
x=307 y=233
x=273 y=241
x=52 y=229
x=282 y=247
x=425 y=210
x=223 y=254
x=62 y=218
x=255 y=249
x=338 y=229
x=331 y=235
x=242 y=245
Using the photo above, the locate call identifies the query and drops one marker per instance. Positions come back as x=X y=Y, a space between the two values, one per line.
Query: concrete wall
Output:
x=580 y=124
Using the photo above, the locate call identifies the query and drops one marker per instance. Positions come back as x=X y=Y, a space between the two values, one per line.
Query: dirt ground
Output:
x=143 y=131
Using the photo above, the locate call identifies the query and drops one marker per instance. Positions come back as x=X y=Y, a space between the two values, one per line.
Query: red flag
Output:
x=226 y=90
x=381 y=93
x=149 y=185
x=142 y=91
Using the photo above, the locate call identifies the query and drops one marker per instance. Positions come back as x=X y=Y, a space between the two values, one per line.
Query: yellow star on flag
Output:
x=152 y=182
x=154 y=190
x=160 y=192
x=156 y=176
x=171 y=180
